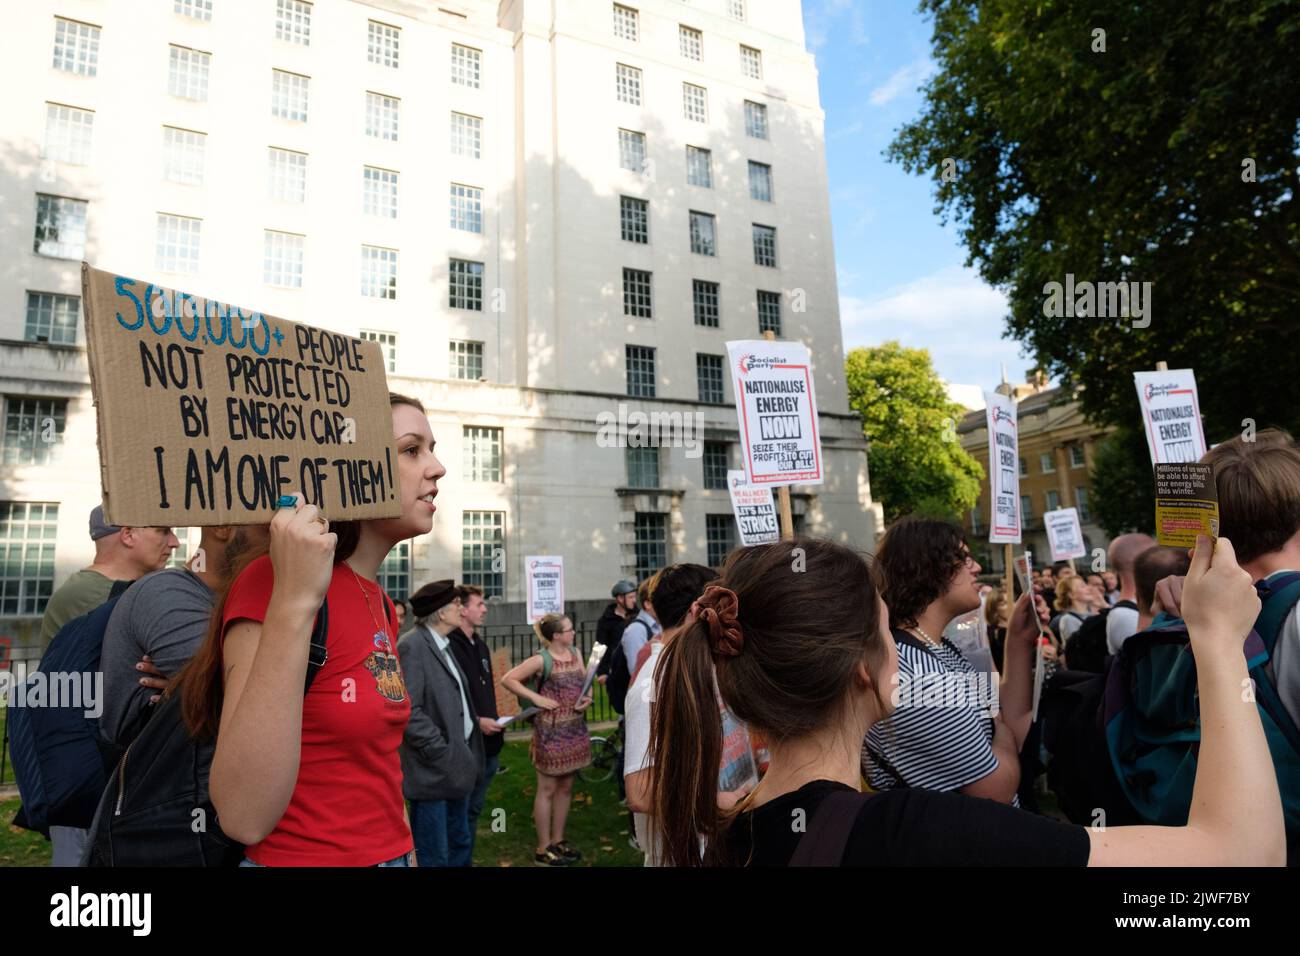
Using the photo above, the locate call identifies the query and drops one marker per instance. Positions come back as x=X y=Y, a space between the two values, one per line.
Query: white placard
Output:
x=1171 y=415
x=1004 y=468
x=755 y=511
x=1064 y=536
x=777 y=411
x=545 y=576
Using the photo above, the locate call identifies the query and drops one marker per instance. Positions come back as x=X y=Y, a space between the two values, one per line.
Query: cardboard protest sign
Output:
x=777 y=411
x=1024 y=564
x=1064 y=536
x=1187 y=503
x=208 y=412
x=1004 y=468
x=545 y=576
x=755 y=510
x=1171 y=415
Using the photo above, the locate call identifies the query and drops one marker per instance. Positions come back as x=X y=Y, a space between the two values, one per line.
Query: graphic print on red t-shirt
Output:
x=346 y=808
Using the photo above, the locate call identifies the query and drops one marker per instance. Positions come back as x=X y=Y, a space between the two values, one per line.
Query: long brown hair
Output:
x=200 y=682
x=808 y=613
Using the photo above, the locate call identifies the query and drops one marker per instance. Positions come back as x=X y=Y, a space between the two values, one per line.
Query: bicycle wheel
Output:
x=604 y=758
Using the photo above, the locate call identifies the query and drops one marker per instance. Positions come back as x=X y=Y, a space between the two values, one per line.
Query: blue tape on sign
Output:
x=286 y=501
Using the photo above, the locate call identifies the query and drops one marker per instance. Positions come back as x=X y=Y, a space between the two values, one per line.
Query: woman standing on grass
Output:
x=560 y=745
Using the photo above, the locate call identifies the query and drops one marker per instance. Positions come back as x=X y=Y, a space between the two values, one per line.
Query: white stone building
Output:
x=543 y=209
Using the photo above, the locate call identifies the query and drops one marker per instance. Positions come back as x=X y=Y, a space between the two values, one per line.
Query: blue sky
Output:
x=900 y=270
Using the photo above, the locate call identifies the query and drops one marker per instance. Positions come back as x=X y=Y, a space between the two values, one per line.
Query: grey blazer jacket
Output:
x=438 y=763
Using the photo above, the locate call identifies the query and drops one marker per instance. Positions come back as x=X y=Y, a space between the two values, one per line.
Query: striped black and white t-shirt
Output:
x=940 y=736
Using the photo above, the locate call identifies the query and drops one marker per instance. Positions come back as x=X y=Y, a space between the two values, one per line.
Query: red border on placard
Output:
x=817 y=444
x=1018 y=531
x=1151 y=425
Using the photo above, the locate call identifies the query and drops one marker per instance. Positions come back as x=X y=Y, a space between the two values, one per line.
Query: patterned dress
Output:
x=560 y=744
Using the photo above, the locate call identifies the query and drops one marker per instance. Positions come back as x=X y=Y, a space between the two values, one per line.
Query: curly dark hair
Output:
x=915 y=564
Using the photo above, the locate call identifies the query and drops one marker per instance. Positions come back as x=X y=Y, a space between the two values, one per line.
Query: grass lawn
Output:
x=20 y=847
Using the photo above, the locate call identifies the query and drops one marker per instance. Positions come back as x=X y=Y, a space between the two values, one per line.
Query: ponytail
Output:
x=546 y=626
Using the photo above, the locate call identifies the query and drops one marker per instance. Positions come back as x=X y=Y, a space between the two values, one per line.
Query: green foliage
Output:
x=1123 y=484
x=1129 y=165
x=917 y=465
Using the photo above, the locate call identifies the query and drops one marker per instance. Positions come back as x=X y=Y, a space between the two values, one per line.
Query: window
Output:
x=183 y=156
x=760 y=181
x=704 y=239
x=382 y=42
x=293 y=21
x=482 y=454
x=708 y=375
x=482 y=551
x=388 y=345
x=288 y=175
x=1081 y=502
x=187 y=73
x=1026 y=509
x=381 y=116
x=699 y=167
x=289 y=95
x=769 y=312
x=764 y=245
x=52 y=318
x=1053 y=500
x=755 y=120
x=650 y=543
x=1024 y=466
x=634 y=219
x=717 y=459
x=636 y=294
x=1077 y=459
x=395 y=572
x=466 y=135
x=379 y=192
x=627 y=84
x=704 y=296
x=466 y=66
x=691 y=43
x=631 y=150
x=60 y=227
x=465 y=360
x=27 y=533
x=466 y=208
x=177 y=245
x=695 y=102
x=736 y=9
x=76 y=47
x=751 y=62
x=642 y=467
x=640 y=371
x=378 y=272
x=720 y=538
x=198 y=9
x=466 y=285
x=626 y=22
x=33 y=430
x=1047 y=463
x=182 y=554
x=282 y=259
x=68 y=134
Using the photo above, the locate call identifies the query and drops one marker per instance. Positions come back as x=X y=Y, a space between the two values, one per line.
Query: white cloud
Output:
x=902 y=81
x=824 y=17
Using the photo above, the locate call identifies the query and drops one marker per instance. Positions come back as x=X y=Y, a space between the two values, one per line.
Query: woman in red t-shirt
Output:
x=315 y=779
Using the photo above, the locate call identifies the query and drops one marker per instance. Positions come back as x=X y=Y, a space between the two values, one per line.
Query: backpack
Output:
x=59 y=759
x=156 y=811
x=620 y=672
x=535 y=685
x=1055 y=623
x=1086 y=650
x=1152 y=715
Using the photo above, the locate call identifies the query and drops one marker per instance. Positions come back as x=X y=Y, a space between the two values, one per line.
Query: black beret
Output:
x=433 y=596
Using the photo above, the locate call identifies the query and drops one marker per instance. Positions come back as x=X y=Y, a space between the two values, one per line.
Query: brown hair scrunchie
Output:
x=717 y=608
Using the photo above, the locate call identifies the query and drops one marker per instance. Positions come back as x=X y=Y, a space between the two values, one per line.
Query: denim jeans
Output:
x=479 y=797
x=396 y=861
x=441 y=832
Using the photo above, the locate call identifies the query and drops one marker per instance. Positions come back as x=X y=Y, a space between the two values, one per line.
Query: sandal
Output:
x=550 y=857
x=566 y=849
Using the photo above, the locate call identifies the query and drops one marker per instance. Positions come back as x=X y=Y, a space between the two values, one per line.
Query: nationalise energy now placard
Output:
x=209 y=412
x=776 y=408
x=545 y=576
x=1064 y=536
x=1171 y=415
x=1004 y=468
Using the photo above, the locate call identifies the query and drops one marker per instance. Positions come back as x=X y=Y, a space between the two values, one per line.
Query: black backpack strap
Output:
x=319 y=653
x=828 y=830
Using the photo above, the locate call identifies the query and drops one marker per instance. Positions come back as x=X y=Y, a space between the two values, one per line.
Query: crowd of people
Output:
x=341 y=738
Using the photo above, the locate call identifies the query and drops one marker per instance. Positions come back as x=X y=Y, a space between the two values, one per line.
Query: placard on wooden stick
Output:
x=208 y=412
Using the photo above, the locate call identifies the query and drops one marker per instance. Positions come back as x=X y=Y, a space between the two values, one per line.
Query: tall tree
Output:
x=1139 y=142
x=917 y=465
